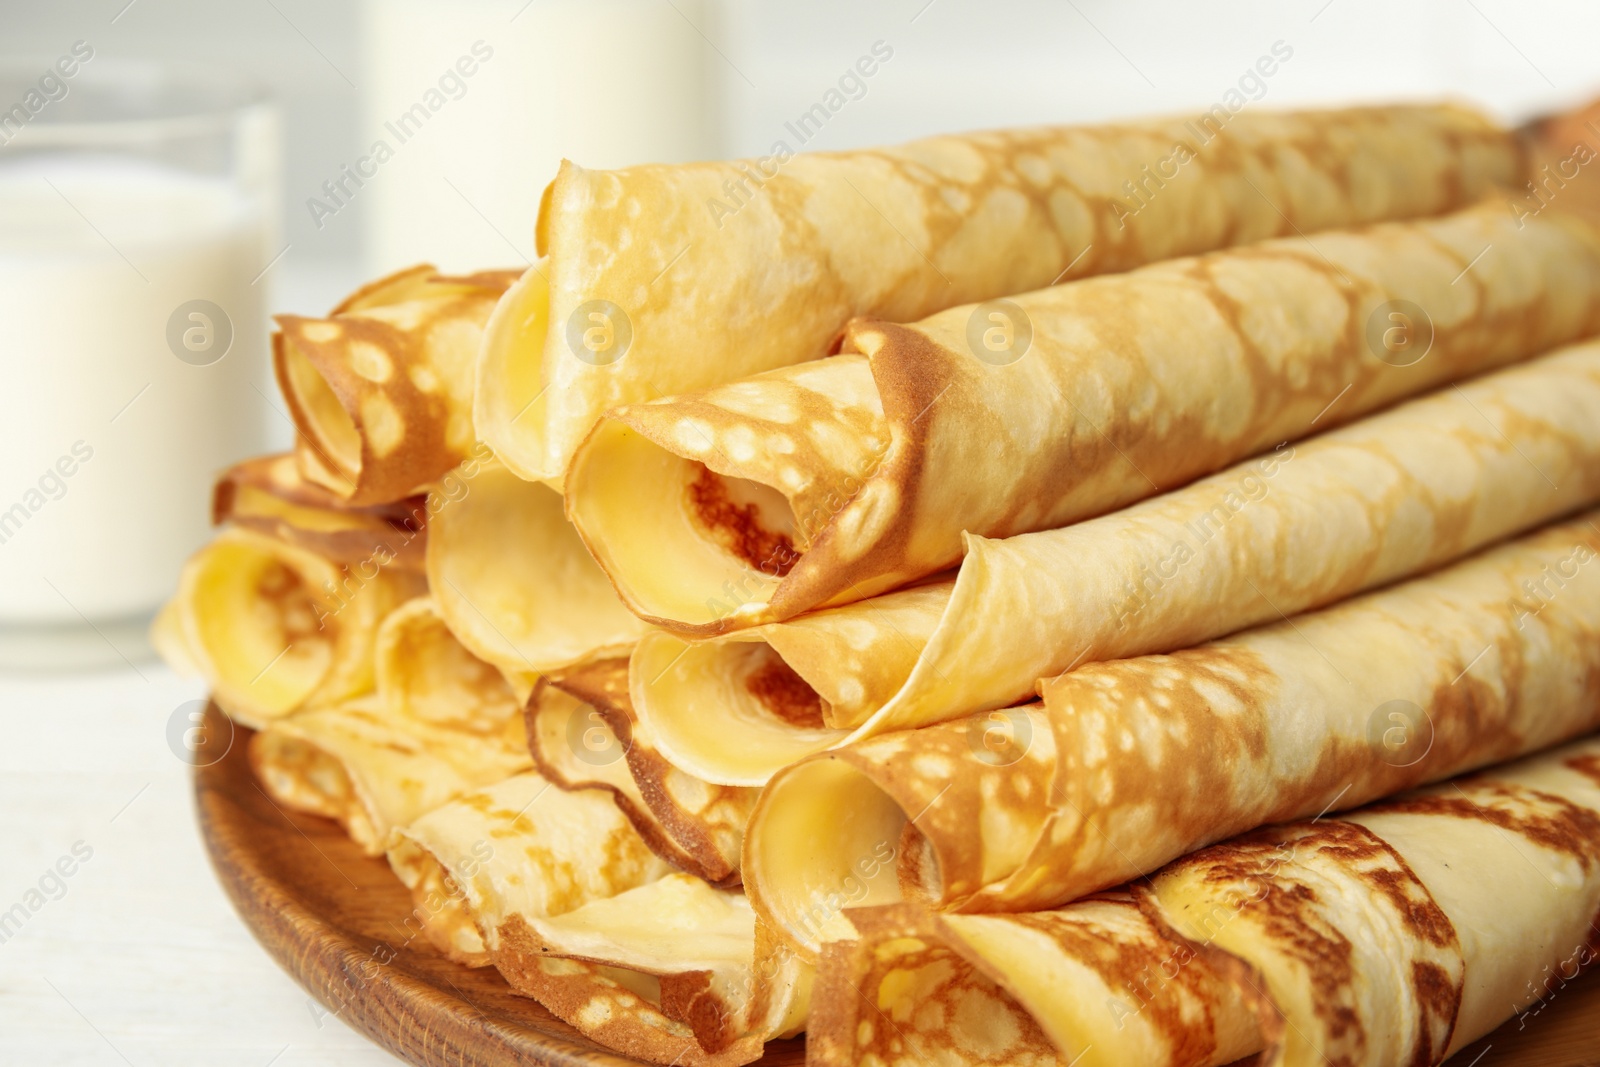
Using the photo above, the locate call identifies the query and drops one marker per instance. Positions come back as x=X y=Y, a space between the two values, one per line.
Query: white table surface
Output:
x=141 y=961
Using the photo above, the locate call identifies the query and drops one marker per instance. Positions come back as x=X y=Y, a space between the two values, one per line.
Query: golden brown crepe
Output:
x=1094 y=984
x=1302 y=526
x=423 y=673
x=273 y=628
x=665 y=279
x=381 y=389
x=518 y=847
x=271 y=496
x=1379 y=937
x=836 y=480
x=1130 y=763
x=512 y=579
x=583 y=733
x=1402 y=932
x=375 y=771
x=672 y=972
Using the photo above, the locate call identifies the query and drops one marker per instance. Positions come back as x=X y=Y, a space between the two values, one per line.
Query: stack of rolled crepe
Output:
x=840 y=597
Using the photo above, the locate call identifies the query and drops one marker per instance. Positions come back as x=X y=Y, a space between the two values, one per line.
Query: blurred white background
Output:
x=579 y=74
x=141 y=961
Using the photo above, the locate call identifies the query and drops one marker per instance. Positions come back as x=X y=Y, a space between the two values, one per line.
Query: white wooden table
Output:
x=136 y=957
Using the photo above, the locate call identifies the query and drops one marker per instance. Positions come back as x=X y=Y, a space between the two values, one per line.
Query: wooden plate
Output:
x=334 y=919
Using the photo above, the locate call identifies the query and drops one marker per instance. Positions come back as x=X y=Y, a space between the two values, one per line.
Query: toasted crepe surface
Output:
x=1386 y=936
x=381 y=389
x=1095 y=983
x=594 y=736
x=517 y=847
x=270 y=495
x=1301 y=526
x=375 y=771
x=1483 y=661
x=273 y=627
x=905 y=231
x=575 y=746
x=1130 y=385
x=672 y=968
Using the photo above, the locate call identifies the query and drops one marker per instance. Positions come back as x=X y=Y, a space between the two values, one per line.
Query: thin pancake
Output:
x=1097 y=984
x=1302 y=526
x=1486 y=660
x=513 y=580
x=374 y=771
x=381 y=389
x=271 y=496
x=665 y=279
x=671 y=972
x=703 y=823
x=787 y=492
x=517 y=847
x=1385 y=936
x=274 y=628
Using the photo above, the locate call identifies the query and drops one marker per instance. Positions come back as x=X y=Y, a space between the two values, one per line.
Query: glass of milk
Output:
x=137 y=217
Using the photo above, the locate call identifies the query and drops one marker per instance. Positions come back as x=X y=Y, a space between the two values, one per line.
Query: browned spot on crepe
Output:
x=739 y=528
x=785 y=694
x=1588 y=766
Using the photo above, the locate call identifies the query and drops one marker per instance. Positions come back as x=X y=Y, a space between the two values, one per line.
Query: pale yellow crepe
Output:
x=1402 y=932
x=1094 y=984
x=1130 y=763
x=273 y=628
x=381 y=389
x=512 y=579
x=583 y=732
x=518 y=847
x=1302 y=526
x=375 y=771
x=665 y=279
x=424 y=673
x=672 y=972
x=832 y=481
x=272 y=496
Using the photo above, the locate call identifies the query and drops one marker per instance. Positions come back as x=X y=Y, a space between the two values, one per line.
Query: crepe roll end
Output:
x=767 y=716
x=300 y=774
x=824 y=838
x=329 y=431
x=422 y=671
x=438 y=904
x=258 y=624
x=638 y=506
x=512 y=580
x=509 y=403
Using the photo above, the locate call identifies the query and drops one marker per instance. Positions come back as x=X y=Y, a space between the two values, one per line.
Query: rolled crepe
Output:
x=1097 y=984
x=1303 y=526
x=512 y=579
x=583 y=732
x=790 y=490
x=423 y=673
x=273 y=628
x=673 y=972
x=381 y=389
x=1405 y=931
x=663 y=279
x=1374 y=938
x=374 y=771
x=271 y=496
x=574 y=747
x=517 y=847
x=1484 y=661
